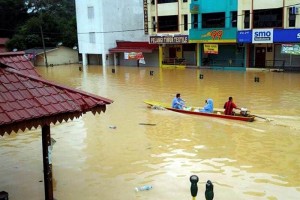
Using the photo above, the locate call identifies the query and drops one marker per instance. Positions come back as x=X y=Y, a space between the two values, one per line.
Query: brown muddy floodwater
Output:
x=91 y=161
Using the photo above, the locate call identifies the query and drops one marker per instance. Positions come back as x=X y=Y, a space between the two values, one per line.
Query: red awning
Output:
x=144 y=47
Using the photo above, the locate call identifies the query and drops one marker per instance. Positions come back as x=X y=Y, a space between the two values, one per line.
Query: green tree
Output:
x=55 y=17
x=12 y=14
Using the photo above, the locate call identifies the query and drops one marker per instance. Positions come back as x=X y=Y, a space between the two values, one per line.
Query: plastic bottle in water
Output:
x=143 y=188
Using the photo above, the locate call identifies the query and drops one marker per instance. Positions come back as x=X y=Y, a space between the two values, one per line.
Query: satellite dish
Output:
x=60 y=43
x=74 y=47
x=14 y=50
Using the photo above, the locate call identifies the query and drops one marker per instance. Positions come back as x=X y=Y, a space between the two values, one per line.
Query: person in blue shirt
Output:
x=177 y=102
x=209 y=106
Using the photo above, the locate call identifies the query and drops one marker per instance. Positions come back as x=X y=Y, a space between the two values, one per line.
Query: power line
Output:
x=221 y=18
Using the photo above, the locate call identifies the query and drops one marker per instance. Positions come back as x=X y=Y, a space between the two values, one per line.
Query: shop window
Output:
x=292 y=18
x=213 y=20
x=234 y=19
x=247 y=19
x=185 y=22
x=168 y=23
x=267 y=18
x=195 y=21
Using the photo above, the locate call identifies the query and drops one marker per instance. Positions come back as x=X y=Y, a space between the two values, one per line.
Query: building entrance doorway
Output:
x=260 y=56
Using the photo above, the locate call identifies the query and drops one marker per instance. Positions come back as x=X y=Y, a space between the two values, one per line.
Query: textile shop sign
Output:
x=169 y=39
x=290 y=49
x=262 y=36
x=133 y=55
x=211 y=48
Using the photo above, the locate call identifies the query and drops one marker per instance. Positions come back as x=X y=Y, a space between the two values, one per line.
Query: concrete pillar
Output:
x=115 y=59
x=103 y=60
x=84 y=60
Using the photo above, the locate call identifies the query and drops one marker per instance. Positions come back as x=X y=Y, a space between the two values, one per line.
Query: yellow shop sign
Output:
x=211 y=48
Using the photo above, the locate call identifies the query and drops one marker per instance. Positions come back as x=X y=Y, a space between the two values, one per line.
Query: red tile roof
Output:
x=18 y=61
x=28 y=101
x=3 y=40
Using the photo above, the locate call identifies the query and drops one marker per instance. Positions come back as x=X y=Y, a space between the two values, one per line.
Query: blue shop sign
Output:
x=286 y=35
x=244 y=36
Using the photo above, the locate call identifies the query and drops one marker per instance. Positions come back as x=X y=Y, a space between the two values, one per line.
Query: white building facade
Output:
x=100 y=23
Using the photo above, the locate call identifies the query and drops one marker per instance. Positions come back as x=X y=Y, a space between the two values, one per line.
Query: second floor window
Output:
x=91 y=12
x=247 y=19
x=168 y=23
x=234 y=19
x=92 y=37
x=154 y=24
x=195 y=21
x=185 y=22
x=292 y=18
x=213 y=20
x=267 y=18
x=167 y=1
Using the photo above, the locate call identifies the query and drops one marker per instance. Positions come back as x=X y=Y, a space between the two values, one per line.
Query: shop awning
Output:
x=126 y=46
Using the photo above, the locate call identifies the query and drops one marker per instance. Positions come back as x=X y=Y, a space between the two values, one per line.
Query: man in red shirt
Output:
x=229 y=106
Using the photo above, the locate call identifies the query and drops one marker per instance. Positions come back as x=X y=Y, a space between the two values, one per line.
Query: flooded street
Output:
x=92 y=160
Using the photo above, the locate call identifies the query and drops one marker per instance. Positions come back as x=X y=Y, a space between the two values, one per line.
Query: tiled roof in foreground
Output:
x=18 y=61
x=28 y=101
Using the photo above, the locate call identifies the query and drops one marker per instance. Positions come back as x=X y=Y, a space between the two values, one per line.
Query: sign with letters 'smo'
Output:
x=169 y=39
x=262 y=36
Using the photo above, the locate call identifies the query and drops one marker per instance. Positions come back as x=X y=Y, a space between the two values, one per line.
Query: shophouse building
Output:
x=213 y=31
x=110 y=30
x=269 y=33
x=168 y=23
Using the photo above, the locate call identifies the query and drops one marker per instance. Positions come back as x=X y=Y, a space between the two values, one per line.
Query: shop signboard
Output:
x=244 y=36
x=169 y=39
x=213 y=35
x=211 y=48
x=290 y=49
x=262 y=36
x=133 y=55
x=287 y=35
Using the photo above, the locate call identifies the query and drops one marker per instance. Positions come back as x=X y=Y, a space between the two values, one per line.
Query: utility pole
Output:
x=42 y=34
x=41 y=28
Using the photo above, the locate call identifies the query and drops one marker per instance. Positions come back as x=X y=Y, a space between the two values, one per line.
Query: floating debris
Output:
x=147 y=124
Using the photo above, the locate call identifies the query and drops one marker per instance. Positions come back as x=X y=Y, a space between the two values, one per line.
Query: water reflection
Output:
x=92 y=161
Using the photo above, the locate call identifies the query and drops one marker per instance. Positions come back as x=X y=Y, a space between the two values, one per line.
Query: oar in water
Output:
x=262 y=118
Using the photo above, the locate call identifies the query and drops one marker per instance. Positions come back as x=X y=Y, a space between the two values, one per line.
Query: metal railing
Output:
x=174 y=61
x=280 y=64
x=222 y=62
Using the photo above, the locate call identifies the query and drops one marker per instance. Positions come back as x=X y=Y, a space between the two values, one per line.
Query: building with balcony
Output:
x=168 y=23
x=213 y=30
x=269 y=33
